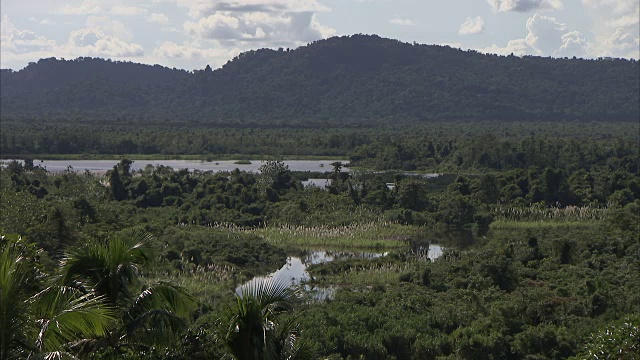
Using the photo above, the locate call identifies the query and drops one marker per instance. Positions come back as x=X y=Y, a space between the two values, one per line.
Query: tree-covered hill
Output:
x=351 y=80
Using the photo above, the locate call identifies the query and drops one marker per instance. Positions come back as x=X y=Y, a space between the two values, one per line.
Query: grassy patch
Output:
x=378 y=235
x=541 y=224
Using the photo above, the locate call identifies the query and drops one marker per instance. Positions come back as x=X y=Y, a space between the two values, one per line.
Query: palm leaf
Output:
x=156 y=315
x=65 y=316
x=110 y=268
x=253 y=327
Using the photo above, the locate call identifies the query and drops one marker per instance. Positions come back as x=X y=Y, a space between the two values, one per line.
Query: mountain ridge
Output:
x=358 y=79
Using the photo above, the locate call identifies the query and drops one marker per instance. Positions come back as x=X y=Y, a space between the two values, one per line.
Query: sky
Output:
x=190 y=34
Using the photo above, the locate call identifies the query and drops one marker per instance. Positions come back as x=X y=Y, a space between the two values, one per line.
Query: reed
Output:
x=366 y=235
x=541 y=213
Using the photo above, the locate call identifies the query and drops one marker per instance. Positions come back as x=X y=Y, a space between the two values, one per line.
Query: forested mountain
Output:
x=351 y=80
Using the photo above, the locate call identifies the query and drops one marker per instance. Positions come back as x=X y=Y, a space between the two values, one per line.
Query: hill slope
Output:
x=358 y=79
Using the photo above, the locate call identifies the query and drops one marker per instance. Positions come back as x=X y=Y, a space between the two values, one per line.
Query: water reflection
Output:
x=294 y=271
x=102 y=166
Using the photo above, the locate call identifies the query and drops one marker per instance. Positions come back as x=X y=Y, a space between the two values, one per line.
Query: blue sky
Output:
x=190 y=34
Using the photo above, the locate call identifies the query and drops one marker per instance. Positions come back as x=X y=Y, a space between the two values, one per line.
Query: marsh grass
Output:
x=203 y=282
x=541 y=213
x=374 y=275
x=544 y=224
x=377 y=235
x=369 y=235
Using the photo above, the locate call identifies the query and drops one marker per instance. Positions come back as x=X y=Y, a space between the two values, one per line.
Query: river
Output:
x=102 y=166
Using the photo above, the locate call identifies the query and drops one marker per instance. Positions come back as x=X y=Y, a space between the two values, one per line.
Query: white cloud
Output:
x=170 y=49
x=547 y=36
x=158 y=18
x=92 y=42
x=472 y=26
x=544 y=37
x=192 y=56
x=401 y=21
x=612 y=14
x=621 y=44
x=289 y=27
x=573 y=44
x=127 y=10
x=110 y=27
x=524 y=5
x=87 y=7
x=14 y=41
x=46 y=22
x=204 y=8
x=18 y=47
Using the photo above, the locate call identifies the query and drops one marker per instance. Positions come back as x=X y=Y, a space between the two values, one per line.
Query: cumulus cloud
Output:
x=621 y=44
x=259 y=22
x=263 y=26
x=169 y=49
x=127 y=10
x=85 y=8
x=573 y=44
x=19 y=47
x=16 y=41
x=193 y=55
x=204 y=8
x=401 y=21
x=524 y=5
x=108 y=26
x=546 y=36
x=613 y=14
x=472 y=26
x=93 y=42
x=158 y=18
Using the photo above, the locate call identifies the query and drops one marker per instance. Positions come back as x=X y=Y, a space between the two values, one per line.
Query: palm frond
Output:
x=65 y=315
x=110 y=268
x=165 y=296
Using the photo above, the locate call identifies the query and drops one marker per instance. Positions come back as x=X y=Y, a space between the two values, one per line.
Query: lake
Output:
x=102 y=166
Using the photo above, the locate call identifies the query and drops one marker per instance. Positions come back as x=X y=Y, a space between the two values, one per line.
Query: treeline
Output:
x=350 y=80
x=455 y=145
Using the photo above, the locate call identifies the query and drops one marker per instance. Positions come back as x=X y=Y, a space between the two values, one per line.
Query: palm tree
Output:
x=254 y=331
x=112 y=268
x=36 y=319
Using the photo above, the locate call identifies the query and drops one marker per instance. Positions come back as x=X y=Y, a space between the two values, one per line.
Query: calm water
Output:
x=101 y=166
x=294 y=270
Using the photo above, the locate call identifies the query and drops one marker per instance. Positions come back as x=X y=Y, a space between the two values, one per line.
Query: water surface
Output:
x=102 y=166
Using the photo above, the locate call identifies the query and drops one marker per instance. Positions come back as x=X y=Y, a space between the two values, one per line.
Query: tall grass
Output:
x=541 y=213
x=374 y=234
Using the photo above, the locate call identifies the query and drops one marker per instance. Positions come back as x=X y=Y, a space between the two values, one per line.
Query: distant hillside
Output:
x=356 y=79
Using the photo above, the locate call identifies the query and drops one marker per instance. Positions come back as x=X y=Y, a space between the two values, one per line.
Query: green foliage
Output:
x=348 y=80
x=254 y=330
x=40 y=319
x=619 y=340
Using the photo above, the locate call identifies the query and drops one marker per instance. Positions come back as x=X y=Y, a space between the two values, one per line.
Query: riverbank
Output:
x=195 y=157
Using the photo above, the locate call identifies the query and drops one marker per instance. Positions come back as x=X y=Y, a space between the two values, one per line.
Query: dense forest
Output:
x=540 y=256
x=486 y=207
x=354 y=80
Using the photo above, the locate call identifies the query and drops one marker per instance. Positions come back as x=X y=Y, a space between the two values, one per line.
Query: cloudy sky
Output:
x=190 y=34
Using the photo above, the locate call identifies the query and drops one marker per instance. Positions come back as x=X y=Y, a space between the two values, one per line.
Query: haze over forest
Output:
x=351 y=80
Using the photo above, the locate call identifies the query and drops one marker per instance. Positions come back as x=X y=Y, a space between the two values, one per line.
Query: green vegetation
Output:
x=344 y=81
x=538 y=216
x=151 y=259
